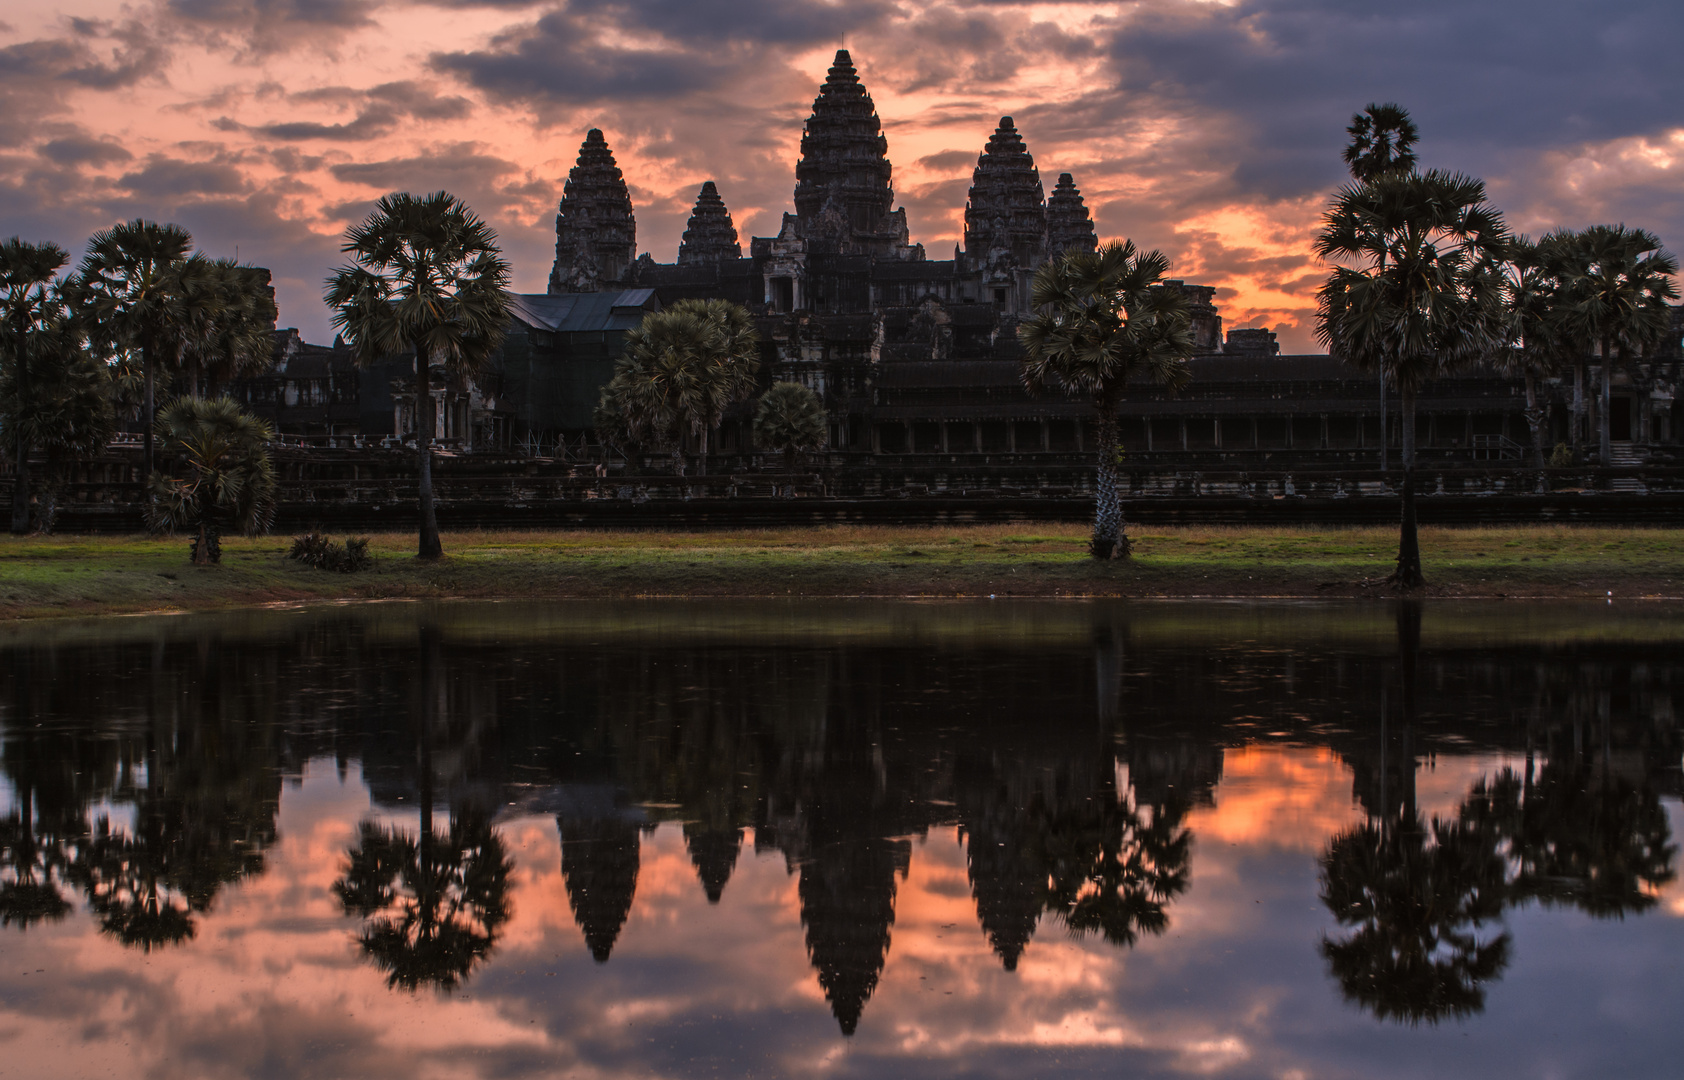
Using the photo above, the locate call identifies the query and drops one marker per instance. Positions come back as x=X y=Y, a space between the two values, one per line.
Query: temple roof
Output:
x=710 y=236
x=1069 y=225
x=596 y=231
x=843 y=184
x=1006 y=211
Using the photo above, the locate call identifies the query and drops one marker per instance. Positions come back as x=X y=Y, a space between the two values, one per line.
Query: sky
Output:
x=1211 y=130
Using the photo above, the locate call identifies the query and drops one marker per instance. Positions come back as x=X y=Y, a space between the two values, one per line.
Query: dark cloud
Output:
x=173 y=178
x=82 y=150
x=270 y=26
x=385 y=106
x=949 y=160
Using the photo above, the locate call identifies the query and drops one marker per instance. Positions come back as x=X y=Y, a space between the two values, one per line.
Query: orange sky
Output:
x=1211 y=130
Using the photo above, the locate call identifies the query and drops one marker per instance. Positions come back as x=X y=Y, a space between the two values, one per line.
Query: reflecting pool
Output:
x=853 y=839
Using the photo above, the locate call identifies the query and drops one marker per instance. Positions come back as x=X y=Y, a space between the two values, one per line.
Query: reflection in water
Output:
x=146 y=778
x=1420 y=898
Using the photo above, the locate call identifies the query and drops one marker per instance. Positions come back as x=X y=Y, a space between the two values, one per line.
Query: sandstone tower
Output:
x=1069 y=224
x=1006 y=217
x=843 y=191
x=710 y=236
x=596 y=234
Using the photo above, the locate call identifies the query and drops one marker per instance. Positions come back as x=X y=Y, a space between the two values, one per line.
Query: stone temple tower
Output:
x=1006 y=217
x=1068 y=223
x=595 y=232
x=710 y=237
x=843 y=193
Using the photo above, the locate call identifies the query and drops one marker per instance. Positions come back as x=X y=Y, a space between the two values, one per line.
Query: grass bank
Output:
x=96 y=574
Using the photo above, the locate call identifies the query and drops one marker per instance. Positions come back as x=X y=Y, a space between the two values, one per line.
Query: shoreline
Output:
x=128 y=575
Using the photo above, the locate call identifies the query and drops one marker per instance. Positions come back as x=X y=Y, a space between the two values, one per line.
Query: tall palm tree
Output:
x=131 y=294
x=230 y=479
x=31 y=322
x=681 y=369
x=1420 y=293
x=1538 y=344
x=427 y=276
x=230 y=325
x=1383 y=141
x=1622 y=281
x=1103 y=318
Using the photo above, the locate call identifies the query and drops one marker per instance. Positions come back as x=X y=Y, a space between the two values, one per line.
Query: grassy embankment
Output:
x=86 y=575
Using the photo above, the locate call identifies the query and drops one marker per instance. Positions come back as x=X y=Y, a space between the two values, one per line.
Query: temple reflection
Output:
x=146 y=779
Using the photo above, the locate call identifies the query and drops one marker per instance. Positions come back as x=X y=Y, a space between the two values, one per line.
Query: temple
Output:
x=915 y=356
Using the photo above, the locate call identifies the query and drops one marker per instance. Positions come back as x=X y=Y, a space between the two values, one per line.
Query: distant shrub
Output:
x=318 y=550
x=1561 y=456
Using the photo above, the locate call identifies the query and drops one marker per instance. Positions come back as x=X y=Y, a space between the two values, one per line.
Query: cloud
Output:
x=173 y=178
x=81 y=149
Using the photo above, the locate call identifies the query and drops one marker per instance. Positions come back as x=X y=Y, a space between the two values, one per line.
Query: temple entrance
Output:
x=1619 y=419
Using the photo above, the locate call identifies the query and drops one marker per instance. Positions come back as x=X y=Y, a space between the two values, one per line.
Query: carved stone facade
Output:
x=711 y=236
x=596 y=233
x=1069 y=225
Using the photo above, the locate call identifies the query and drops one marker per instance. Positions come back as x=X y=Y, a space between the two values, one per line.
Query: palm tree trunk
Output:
x=702 y=458
x=1110 y=536
x=1604 y=430
x=1384 y=444
x=146 y=417
x=1579 y=411
x=1535 y=420
x=1407 y=576
x=430 y=548
x=20 y=475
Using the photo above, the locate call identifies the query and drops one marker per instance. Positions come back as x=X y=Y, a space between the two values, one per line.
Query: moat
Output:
x=861 y=838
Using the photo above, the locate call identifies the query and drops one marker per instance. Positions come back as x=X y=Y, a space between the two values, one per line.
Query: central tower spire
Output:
x=843 y=190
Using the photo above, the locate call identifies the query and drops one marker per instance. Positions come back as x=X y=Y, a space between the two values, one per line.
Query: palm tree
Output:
x=1537 y=344
x=790 y=421
x=1425 y=295
x=130 y=289
x=230 y=325
x=230 y=481
x=32 y=322
x=427 y=276
x=1382 y=141
x=681 y=369
x=1622 y=281
x=1103 y=318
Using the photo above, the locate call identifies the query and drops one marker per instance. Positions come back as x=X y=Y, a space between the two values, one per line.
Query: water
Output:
x=875 y=840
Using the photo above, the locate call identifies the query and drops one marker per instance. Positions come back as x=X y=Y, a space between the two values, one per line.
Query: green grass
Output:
x=82 y=574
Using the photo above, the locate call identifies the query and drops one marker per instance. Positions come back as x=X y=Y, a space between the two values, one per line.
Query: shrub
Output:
x=318 y=550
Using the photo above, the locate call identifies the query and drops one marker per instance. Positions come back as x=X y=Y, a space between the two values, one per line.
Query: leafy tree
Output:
x=427 y=277
x=681 y=369
x=53 y=395
x=1423 y=294
x=1382 y=141
x=131 y=294
x=1103 y=318
x=230 y=479
x=790 y=420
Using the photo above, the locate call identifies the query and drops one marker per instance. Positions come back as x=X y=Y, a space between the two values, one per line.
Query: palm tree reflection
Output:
x=432 y=905
x=1416 y=898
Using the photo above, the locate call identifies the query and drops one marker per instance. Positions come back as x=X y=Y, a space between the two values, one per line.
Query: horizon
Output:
x=1211 y=131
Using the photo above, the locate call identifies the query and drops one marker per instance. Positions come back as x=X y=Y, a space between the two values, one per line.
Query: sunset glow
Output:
x=1211 y=130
